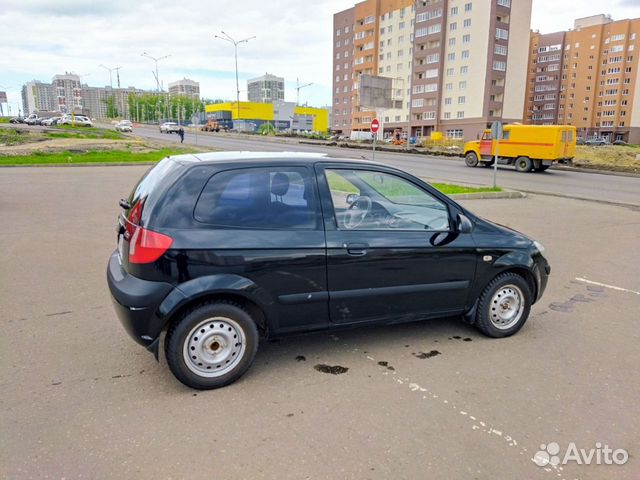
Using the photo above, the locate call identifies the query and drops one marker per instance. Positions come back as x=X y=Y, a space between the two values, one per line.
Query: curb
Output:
x=488 y=195
x=584 y=199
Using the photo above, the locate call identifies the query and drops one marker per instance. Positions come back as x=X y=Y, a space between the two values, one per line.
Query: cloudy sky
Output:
x=293 y=39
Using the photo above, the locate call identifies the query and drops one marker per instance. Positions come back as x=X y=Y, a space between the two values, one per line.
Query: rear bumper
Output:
x=136 y=302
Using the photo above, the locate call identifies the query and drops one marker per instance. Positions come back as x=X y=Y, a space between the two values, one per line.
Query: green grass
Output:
x=11 y=136
x=68 y=131
x=66 y=158
x=451 y=189
x=4 y=119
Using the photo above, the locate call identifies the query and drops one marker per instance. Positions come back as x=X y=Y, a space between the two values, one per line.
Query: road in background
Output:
x=601 y=187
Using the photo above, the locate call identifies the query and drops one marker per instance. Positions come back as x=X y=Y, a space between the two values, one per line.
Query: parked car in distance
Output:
x=596 y=142
x=620 y=142
x=124 y=126
x=580 y=141
x=31 y=119
x=169 y=127
x=47 y=122
x=16 y=120
x=77 y=120
x=218 y=249
x=527 y=147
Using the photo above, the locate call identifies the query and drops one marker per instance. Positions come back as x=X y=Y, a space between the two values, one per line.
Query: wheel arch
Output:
x=232 y=288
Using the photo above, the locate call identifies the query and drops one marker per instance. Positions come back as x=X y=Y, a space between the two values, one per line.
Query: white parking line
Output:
x=612 y=287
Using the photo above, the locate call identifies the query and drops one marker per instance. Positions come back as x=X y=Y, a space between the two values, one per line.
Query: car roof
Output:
x=238 y=157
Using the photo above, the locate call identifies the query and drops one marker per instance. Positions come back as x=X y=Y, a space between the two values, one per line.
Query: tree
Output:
x=112 y=108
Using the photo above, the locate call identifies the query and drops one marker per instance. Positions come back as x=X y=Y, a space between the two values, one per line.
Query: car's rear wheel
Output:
x=471 y=159
x=504 y=306
x=523 y=164
x=211 y=345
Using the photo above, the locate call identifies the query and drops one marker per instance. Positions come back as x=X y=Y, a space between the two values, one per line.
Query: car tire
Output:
x=496 y=319
x=211 y=345
x=471 y=159
x=523 y=164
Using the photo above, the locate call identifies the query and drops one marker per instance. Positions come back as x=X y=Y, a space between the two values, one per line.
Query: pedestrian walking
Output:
x=181 y=134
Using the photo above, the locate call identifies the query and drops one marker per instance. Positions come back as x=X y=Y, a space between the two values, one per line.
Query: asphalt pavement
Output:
x=79 y=399
x=621 y=189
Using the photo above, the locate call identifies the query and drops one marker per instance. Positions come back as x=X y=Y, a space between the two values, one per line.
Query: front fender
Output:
x=214 y=284
x=524 y=261
x=514 y=259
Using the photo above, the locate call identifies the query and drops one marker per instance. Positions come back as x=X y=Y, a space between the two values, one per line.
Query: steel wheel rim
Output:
x=214 y=347
x=507 y=307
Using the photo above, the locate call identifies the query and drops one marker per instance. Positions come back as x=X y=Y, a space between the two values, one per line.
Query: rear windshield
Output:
x=147 y=185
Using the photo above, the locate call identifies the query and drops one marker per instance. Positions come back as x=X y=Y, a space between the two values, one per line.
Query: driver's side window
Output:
x=371 y=200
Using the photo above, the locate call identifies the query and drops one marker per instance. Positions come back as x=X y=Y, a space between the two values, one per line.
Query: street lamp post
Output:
x=235 y=44
x=300 y=87
x=110 y=70
x=156 y=60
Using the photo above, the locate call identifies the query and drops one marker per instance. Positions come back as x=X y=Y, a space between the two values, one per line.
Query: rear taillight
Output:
x=146 y=246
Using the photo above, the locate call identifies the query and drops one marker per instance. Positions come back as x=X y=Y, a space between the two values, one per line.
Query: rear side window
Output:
x=269 y=198
x=146 y=186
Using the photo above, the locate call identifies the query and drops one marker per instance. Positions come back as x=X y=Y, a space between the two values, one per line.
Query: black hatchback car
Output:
x=220 y=249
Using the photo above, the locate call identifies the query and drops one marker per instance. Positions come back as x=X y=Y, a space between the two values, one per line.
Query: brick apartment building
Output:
x=455 y=64
x=587 y=77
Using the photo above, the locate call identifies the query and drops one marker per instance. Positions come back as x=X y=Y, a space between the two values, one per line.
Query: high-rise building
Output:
x=37 y=97
x=187 y=87
x=587 y=77
x=265 y=89
x=454 y=64
x=67 y=93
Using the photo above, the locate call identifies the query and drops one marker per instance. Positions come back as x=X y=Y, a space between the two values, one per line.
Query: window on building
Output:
x=502 y=34
x=499 y=66
x=467 y=23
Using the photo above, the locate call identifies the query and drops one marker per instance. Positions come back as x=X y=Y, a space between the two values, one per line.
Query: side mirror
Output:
x=464 y=224
x=352 y=197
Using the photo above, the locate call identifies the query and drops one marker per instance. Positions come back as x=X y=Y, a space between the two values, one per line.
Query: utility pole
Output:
x=300 y=87
x=235 y=44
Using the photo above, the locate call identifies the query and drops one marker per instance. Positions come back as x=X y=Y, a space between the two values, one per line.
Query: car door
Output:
x=263 y=223
x=392 y=253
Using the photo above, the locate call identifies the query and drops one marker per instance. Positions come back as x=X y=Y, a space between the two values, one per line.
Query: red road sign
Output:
x=375 y=125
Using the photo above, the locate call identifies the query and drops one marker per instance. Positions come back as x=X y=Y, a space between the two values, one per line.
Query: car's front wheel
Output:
x=211 y=345
x=504 y=306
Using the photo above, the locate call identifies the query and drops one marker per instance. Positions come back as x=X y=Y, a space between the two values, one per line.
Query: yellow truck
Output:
x=527 y=147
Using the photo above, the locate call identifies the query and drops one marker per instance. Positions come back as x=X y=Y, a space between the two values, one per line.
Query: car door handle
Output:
x=358 y=249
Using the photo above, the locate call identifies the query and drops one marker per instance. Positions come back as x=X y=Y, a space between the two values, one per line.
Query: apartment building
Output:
x=454 y=63
x=67 y=93
x=186 y=87
x=37 y=96
x=265 y=89
x=598 y=78
x=544 y=78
